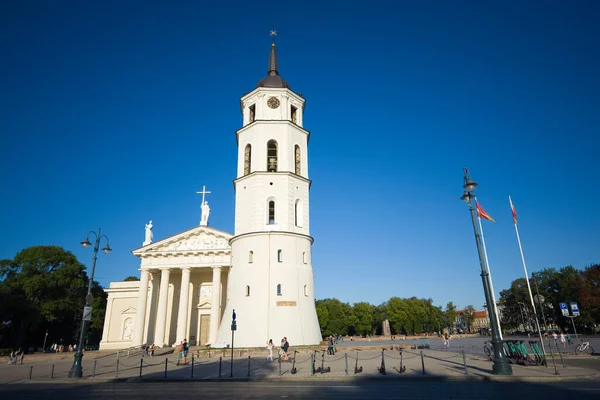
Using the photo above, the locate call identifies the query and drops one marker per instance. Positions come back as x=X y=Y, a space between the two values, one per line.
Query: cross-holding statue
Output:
x=149 y=235
x=204 y=208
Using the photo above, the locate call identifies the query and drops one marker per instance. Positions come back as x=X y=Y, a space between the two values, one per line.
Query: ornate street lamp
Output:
x=76 y=369
x=501 y=365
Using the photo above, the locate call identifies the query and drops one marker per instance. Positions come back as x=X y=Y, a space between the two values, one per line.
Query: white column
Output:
x=107 y=318
x=161 y=314
x=183 y=305
x=215 y=309
x=140 y=318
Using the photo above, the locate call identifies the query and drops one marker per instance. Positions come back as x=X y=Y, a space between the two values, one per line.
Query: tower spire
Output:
x=273 y=79
x=273 y=70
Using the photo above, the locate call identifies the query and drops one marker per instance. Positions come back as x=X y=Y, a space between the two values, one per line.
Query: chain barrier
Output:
x=366 y=359
x=106 y=366
x=443 y=359
x=403 y=357
x=152 y=365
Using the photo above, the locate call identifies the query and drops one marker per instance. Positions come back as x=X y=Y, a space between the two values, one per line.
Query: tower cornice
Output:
x=270 y=121
x=257 y=173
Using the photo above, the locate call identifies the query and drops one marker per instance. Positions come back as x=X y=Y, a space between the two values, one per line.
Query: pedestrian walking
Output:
x=270 y=348
x=186 y=349
x=569 y=341
x=563 y=339
x=286 y=346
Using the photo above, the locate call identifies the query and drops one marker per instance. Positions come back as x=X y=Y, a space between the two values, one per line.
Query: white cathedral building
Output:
x=191 y=282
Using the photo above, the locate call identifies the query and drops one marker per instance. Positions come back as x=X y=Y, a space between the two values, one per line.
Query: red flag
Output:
x=514 y=212
x=481 y=212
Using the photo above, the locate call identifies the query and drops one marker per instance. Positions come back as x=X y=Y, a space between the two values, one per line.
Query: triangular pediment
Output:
x=199 y=239
x=129 y=310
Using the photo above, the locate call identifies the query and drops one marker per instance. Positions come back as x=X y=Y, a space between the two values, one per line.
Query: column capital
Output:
x=185 y=269
x=216 y=267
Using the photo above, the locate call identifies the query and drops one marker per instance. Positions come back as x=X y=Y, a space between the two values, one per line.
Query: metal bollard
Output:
x=52 y=372
x=346 y=360
x=94 y=370
x=220 y=362
x=279 y=359
x=248 y=365
x=30 y=372
x=141 y=366
x=192 y=365
x=117 y=375
x=422 y=362
x=312 y=362
x=166 y=361
x=465 y=362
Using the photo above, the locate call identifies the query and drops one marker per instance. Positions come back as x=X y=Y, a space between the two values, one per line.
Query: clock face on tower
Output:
x=273 y=102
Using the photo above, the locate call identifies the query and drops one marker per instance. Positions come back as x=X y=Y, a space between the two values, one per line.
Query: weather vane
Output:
x=273 y=33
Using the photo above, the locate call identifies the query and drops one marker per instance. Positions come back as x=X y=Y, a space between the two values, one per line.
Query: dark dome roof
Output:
x=273 y=80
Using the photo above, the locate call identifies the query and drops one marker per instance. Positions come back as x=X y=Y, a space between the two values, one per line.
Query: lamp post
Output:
x=501 y=365
x=44 y=346
x=76 y=369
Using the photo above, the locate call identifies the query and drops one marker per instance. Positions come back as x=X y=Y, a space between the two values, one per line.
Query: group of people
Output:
x=16 y=356
x=61 y=348
x=332 y=345
x=564 y=339
x=184 y=348
x=148 y=350
x=283 y=349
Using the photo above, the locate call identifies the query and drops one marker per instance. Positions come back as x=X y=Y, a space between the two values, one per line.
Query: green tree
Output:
x=363 y=318
x=469 y=316
x=338 y=318
x=131 y=278
x=44 y=287
x=590 y=291
x=449 y=315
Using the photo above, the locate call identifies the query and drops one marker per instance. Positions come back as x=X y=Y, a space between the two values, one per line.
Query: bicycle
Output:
x=488 y=349
x=584 y=347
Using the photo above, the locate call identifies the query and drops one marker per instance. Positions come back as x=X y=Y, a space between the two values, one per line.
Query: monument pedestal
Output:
x=385 y=328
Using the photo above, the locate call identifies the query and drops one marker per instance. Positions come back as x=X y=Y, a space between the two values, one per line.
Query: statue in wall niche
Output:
x=128 y=329
x=149 y=235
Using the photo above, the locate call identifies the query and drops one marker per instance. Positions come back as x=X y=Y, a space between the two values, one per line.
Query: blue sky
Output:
x=116 y=113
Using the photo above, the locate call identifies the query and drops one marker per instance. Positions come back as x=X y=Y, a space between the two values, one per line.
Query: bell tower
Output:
x=271 y=284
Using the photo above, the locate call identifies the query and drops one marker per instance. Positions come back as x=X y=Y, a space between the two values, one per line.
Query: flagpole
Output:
x=537 y=323
x=487 y=264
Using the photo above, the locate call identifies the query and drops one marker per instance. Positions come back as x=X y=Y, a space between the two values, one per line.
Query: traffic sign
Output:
x=89 y=298
x=87 y=313
x=564 y=309
x=574 y=309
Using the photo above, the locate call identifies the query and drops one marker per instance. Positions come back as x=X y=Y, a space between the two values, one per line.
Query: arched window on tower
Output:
x=272 y=156
x=298 y=216
x=297 y=157
x=247 y=159
x=305 y=291
x=271 y=220
x=247 y=290
x=250 y=257
x=279 y=255
x=279 y=289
